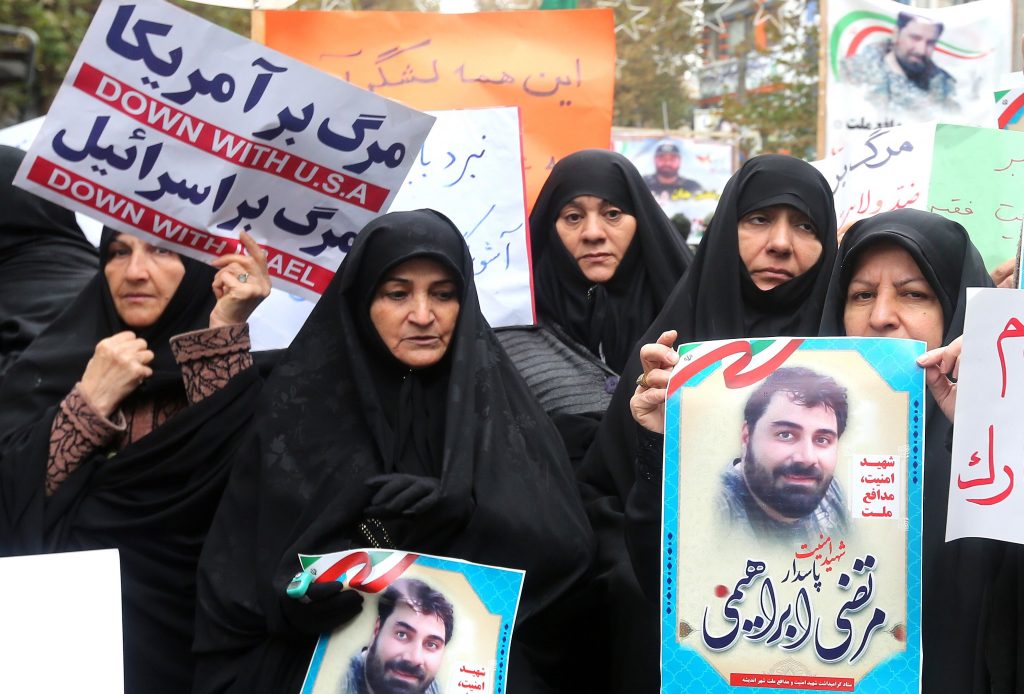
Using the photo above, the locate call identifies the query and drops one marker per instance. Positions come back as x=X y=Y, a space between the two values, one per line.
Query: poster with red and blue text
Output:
x=184 y=134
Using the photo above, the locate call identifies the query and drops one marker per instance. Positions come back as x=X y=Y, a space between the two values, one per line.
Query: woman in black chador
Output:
x=905 y=274
x=761 y=269
x=117 y=427
x=394 y=420
x=605 y=256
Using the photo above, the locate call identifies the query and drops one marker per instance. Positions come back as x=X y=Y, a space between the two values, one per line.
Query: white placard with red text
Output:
x=184 y=133
x=971 y=51
x=987 y=471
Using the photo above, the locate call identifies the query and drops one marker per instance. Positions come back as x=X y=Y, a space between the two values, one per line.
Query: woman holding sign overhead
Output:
x=394 y=420
x=117 y=427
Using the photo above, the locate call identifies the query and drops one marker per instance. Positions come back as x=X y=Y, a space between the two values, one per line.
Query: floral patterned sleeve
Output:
x=210 y=358
x=77 y=431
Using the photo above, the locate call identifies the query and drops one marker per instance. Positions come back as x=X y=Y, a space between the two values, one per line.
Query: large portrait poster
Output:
x=791 y=541
x=428 y=624
x=890 y=64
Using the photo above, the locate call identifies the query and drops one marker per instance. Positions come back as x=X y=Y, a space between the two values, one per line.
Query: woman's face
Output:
x=597 y=234
x=888 y=296
x=414 y=310
x=142 y=279
x=777 y=243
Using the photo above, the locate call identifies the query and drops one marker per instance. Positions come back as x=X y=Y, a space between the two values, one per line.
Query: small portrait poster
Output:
x=685 y=175
x=791 y=540
x=429 y=625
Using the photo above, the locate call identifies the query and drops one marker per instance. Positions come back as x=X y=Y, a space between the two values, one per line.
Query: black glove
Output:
x=325 y=607
x=399 y=494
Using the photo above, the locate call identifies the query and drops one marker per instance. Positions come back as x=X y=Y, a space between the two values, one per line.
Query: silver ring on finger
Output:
x=243 y=277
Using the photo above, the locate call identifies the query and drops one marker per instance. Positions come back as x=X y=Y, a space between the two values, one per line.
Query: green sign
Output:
x=978 y=180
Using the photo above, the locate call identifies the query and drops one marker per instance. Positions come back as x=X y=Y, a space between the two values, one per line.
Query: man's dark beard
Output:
x=667 y=172
x=790 y=501
x=918 y=74
x=380 y=683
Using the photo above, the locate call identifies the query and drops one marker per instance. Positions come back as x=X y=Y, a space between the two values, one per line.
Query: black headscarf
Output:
x=606 y=318
x=45 y=260
x=716 y=299
x=329 y=420
x=956 y=576
x=153 y=499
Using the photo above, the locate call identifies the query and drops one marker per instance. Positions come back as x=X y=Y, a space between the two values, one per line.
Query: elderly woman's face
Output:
x=597 y=234
x=142 y=278
x=777 y=243
x=888 y=296
x=414 y=310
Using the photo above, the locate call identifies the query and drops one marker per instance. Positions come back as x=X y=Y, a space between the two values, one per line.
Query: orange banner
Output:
x=557 y=66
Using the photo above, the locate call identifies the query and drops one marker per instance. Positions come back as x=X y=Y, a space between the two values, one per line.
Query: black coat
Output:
x=45 y=260
x=340 y=410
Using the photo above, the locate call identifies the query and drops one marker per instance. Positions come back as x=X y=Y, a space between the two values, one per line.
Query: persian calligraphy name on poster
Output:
x=792 y=514
x=888 y=64
x=455 y=616
x=986 y=471
x=435 y=61
x=470 y=169
x=183 y=133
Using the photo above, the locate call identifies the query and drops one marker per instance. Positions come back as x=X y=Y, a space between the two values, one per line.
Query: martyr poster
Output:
x=791 y=538
x=428 y=624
